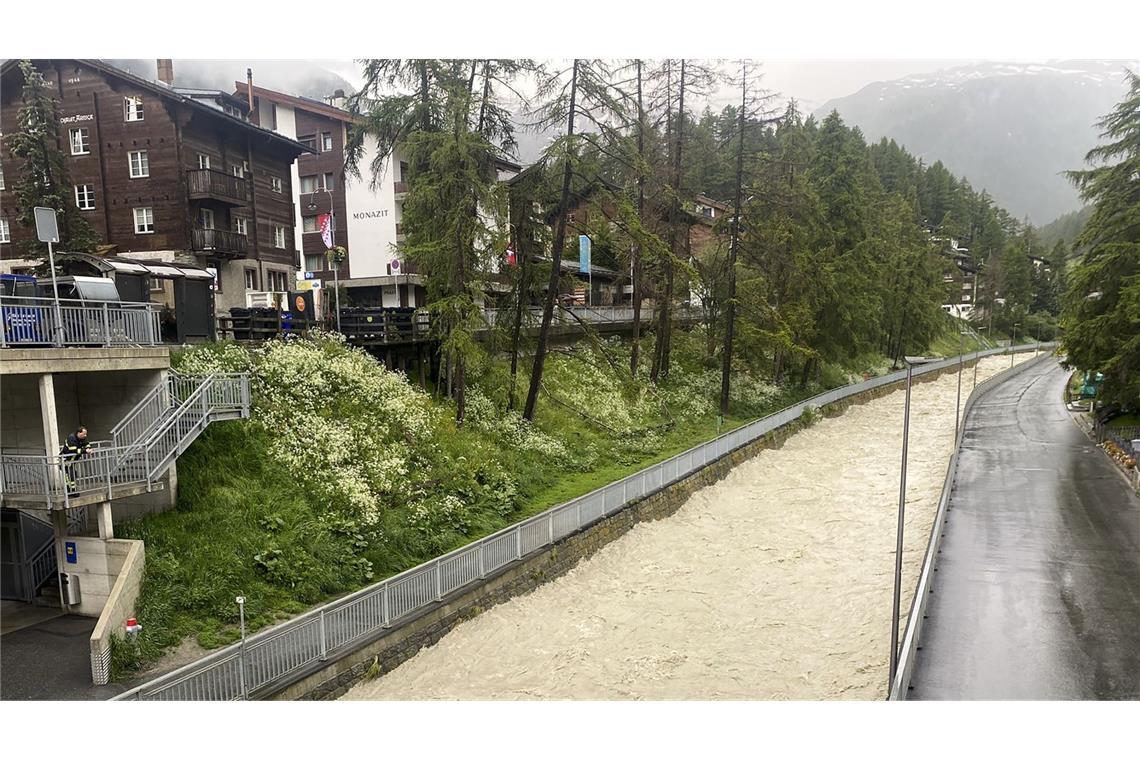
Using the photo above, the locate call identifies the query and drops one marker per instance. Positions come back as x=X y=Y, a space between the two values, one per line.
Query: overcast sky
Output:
x=811 y=82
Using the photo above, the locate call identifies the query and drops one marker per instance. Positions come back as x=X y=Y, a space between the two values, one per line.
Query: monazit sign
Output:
x=78 y=118
x=369 y=214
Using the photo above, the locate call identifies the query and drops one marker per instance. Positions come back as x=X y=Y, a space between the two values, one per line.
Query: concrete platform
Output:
x=35 y=361
x=50 y=659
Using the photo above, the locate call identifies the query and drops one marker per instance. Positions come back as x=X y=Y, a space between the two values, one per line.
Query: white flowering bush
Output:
x=510 y=428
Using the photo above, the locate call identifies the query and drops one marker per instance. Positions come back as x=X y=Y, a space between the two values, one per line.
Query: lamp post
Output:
x=241 y=616
x=911 y=362
x=1012 y=343
x=976 y=350
x=332 y=242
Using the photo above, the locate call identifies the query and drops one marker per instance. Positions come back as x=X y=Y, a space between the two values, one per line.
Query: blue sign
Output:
x=69 y=551
x=584 y=254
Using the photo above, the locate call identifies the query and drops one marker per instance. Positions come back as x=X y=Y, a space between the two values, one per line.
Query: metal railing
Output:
x=35 y=322
x=1122 y=436
x=273 y=658
x=160 y=438
x=910 y=639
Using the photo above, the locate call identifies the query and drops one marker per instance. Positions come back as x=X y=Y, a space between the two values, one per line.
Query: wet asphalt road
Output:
x=1037 y=589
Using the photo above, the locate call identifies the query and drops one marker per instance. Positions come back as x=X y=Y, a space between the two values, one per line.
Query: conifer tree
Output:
x=44 y=179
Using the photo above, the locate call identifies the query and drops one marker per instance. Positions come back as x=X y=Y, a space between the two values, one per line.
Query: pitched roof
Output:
x=306 y=104
x=173 y=93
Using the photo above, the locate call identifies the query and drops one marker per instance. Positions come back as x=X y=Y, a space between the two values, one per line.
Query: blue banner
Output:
x=584 y=254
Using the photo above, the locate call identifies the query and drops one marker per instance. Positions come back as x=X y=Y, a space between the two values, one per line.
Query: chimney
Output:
x=337 y=99
x=253 y=116
x=166 y=71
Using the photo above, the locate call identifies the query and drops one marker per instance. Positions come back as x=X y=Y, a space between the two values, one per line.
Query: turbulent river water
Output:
x=774 y=583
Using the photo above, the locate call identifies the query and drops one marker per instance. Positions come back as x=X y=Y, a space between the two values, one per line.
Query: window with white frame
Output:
x=140 y=163
x=309 y=224
x=144 y=220
x=203 y=161
x=240 y=170
x=1 y=178
x=328 y=180
x=206 y=218
x=80 y=141
x=275 y=184
x=278 y=236
x=314 y=262
x=251 y=279
x=133 y=108
x=5 y=232
x=85 y=197
x=326 y=141
x=241 y=225
x=309 y=184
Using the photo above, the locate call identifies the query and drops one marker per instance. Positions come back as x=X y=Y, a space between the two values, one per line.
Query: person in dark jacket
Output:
x=73 y=449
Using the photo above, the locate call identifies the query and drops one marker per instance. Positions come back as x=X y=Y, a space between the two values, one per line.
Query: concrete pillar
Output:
x=106 y=523
x=47 y=411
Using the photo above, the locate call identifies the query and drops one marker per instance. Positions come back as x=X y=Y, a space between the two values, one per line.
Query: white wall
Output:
x=372 y=216
x=287 y=126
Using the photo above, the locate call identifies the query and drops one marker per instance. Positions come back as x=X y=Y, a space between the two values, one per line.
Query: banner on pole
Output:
x=324 y=221
x=584 y=254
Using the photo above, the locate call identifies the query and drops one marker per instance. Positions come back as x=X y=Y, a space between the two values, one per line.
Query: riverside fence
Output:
x=272 y=659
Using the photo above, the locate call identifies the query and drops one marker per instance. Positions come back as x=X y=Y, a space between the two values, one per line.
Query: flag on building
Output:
x=512 y=259
x=324 y=222
x=584 y=254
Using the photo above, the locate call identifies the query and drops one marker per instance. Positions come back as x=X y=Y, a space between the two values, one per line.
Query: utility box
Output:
x=70 y=588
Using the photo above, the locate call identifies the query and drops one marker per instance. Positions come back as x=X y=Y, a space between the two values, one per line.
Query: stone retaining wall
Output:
x=388 y=649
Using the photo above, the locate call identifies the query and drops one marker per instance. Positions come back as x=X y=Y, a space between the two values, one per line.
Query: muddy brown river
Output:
x=774 y=583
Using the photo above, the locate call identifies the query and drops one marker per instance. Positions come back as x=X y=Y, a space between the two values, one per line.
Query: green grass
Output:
x=1125 y=420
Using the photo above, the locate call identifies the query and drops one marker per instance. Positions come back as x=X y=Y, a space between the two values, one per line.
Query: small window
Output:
x=403 y=171
x=156 y=284
x=80 y=141
x=241 y=225
x=133 y=108
x=1 y=178
x=140 y=163
x=271 y=117
x=328 y=180
x=144 y=220
x=309 y=184
x=326 y=141
x=278 y=236
x=314 y=262
x=85 y=197
x=309 y=141
x=239 y=170
x=5 y=232
x=203 y=161
x=206 y=218
x=251 y=279
x=275 y=184
x=309 y=224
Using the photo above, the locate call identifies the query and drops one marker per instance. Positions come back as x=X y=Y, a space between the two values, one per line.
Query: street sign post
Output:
x=47 y=230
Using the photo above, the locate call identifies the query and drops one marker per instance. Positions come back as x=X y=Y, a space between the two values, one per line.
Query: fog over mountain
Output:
x=1011 y=128
x=310 y=79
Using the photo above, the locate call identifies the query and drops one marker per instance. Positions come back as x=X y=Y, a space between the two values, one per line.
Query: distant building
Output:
x=164 y=173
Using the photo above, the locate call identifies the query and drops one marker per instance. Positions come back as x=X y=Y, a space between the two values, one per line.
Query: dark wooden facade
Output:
x=248 y=178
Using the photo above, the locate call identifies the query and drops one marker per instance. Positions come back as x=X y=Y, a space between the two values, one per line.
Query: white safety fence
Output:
x=39 y=322
x=273 y=658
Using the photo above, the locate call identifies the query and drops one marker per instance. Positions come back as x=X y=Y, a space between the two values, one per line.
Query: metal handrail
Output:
x=278 y=655
x=37 y=321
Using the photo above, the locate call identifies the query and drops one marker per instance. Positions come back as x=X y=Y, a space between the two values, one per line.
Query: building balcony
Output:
x=220 y=242
x=400 y=188
x=219 y=186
